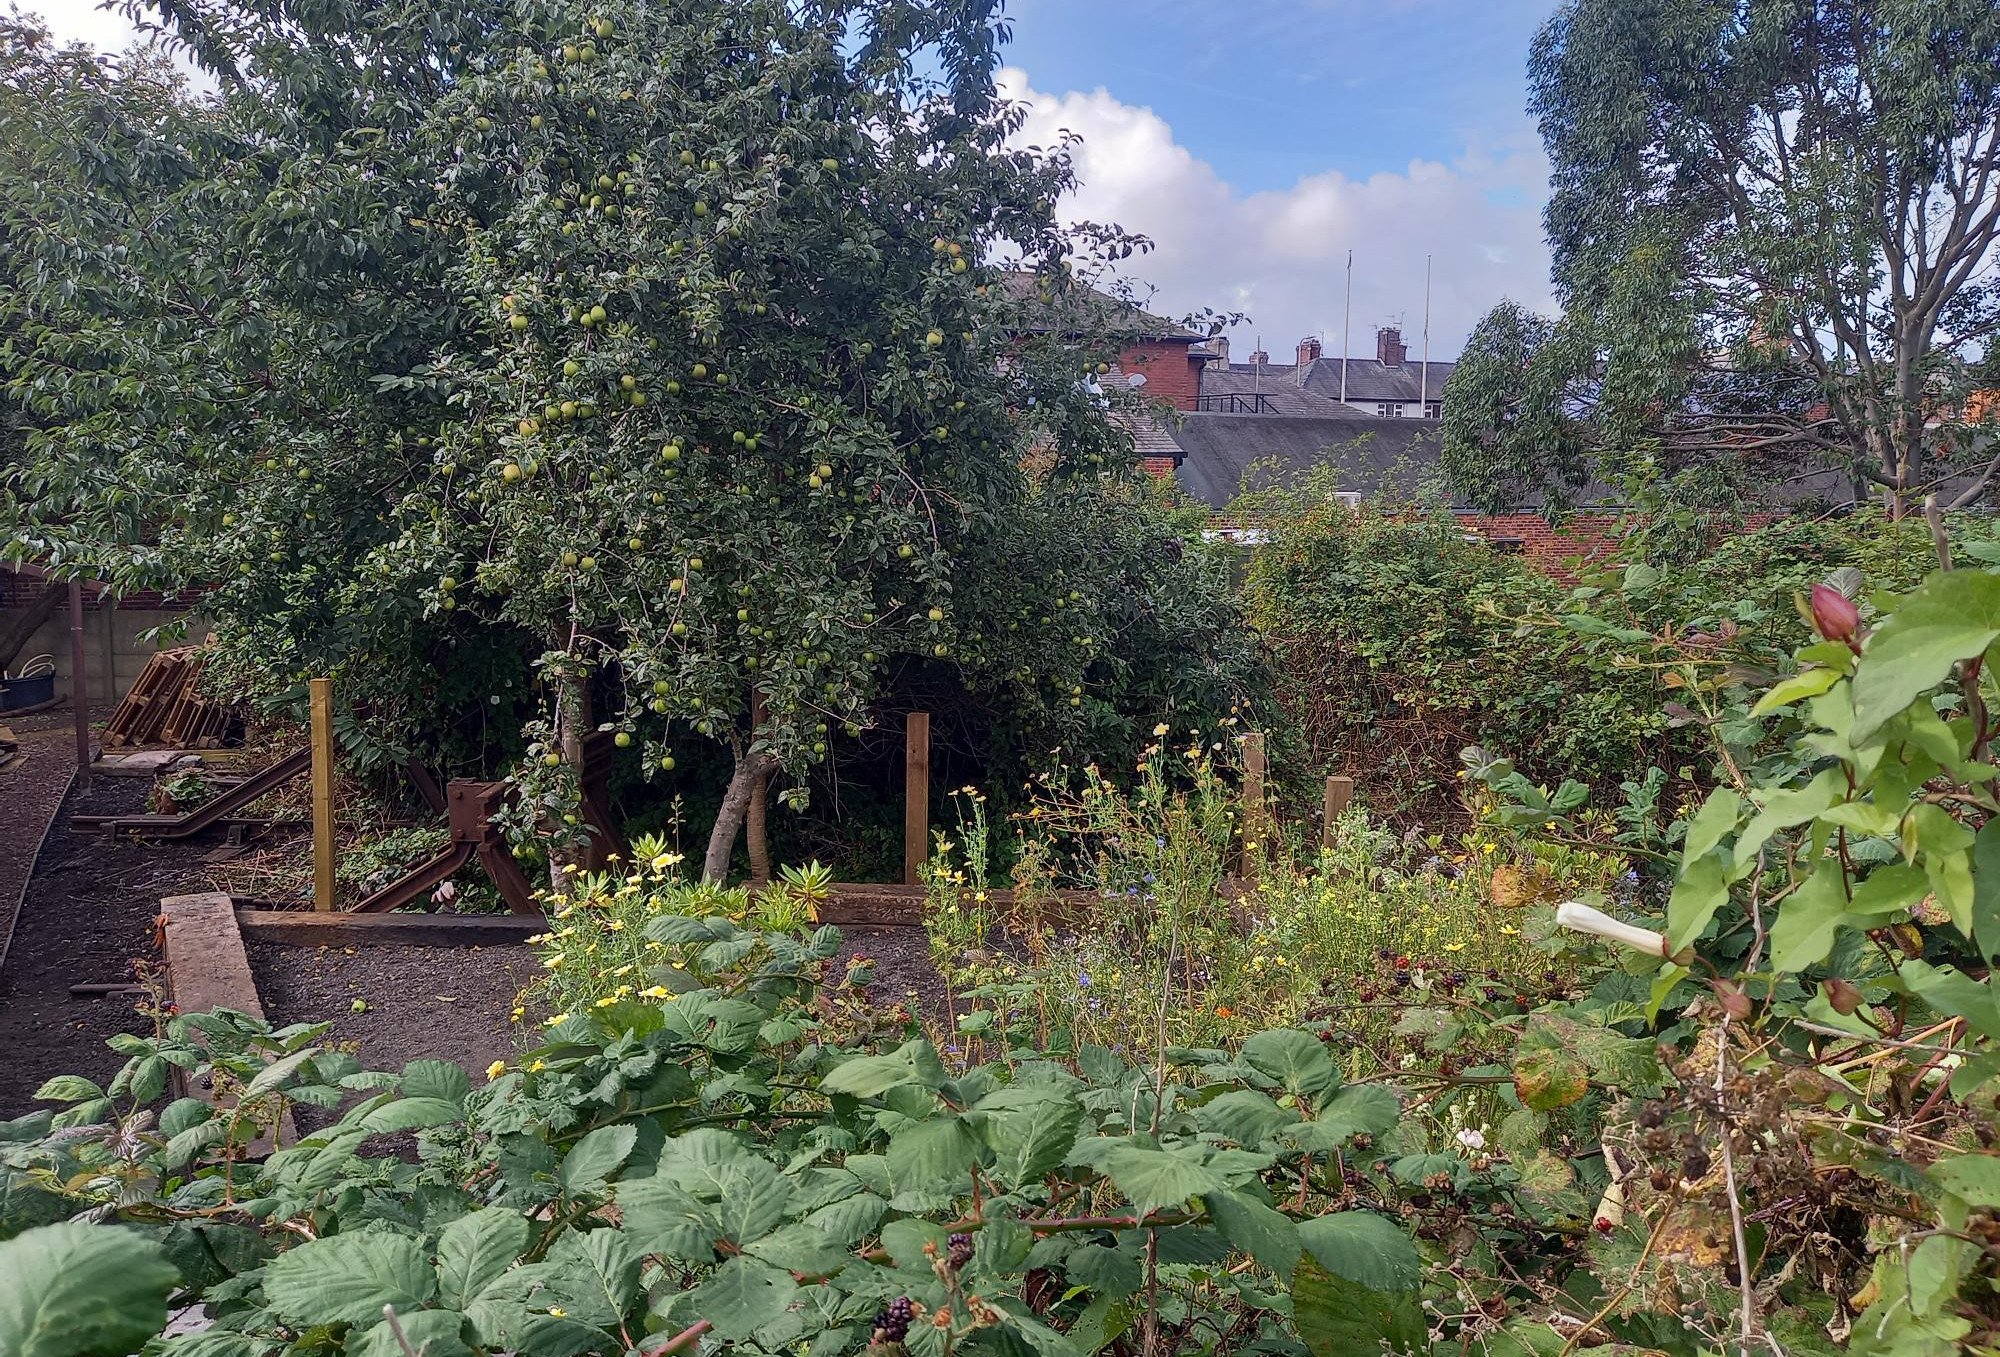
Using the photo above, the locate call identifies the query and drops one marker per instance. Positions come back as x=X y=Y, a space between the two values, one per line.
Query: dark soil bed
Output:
x=86 y=916
x=903 y=970
x=415 y=1002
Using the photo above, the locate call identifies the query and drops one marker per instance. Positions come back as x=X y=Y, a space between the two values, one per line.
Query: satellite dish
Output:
x=1136 y=380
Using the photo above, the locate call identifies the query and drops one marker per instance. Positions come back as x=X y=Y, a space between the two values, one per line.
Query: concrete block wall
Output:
x=114 y=648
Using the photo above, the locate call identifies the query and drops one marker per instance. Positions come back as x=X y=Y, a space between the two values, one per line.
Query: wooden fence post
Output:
x=1253 y=804
x=322 y=791
x=79 y=683
x=1339 y=792
x=916 y=795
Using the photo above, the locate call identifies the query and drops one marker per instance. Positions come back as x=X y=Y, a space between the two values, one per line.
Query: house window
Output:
x=1434 y=410
x=1385 y=410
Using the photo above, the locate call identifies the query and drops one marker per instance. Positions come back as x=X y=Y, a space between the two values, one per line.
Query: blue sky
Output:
x=1271 y=93
x=1257 y=144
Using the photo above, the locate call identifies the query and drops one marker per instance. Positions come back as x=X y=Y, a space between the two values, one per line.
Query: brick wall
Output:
x=1171 y=375
x=1163 y=467
x=1591 y=536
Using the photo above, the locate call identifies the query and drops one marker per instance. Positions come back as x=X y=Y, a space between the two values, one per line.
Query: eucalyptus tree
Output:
x=1773 y=227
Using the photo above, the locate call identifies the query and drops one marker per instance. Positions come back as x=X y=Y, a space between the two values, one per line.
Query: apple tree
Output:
x=656 y=347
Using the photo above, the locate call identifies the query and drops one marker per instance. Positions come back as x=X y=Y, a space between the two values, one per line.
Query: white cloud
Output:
x=83 y=21
x=1280 y=255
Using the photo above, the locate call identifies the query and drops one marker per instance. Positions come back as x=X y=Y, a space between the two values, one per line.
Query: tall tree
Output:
x=1774 y=229
x=649 y=346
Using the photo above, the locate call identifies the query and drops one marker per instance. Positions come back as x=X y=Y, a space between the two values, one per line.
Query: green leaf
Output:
x=870 y=1076
x=1336 y=1317
x=1808 y=918
x=68 y=1088
x=1029 y=1130
x=1364 y=1248
x=1548 y=1072
x=1954 y=615
x=348 y=1278
x=662 y=1217
x=742 y=1296
x=410 y=1114
x=1256 y=1229
x=1701 y=890
x=438 y=1079
x=273 y=1075
x=1156 y=1179
x=1975 y=1177
x=1711 y=823
x=75 y=1290
x=801 y=1248
x=1986 y=889
x=1359 y=1109
x=217 y=1343
x=610 y=1267
x=1245 y=1116
x=1297 y=1061
x=932 y=1152
x=1806 y=683
x=594 y=1158
x=476 y=1248
x=434 y=1333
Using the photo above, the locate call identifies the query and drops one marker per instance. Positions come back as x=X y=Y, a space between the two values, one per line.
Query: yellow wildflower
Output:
x=537 y=1066
x=496 y=1069
x=560 y=1017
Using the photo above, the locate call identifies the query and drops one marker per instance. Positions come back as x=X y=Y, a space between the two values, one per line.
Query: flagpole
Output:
x=1347 y=327
x=1424 y=382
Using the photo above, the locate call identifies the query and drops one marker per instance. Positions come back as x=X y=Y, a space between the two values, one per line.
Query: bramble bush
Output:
x=1396 y=643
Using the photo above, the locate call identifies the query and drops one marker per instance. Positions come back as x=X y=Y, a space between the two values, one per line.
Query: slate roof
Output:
x=1367 y=379
x=1396 y=458
x=1373 y=455
x=1107 y=312
x=1151 y=438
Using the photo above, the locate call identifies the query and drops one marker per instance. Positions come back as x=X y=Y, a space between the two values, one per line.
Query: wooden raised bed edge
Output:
x=861 y=905
x=208 y=968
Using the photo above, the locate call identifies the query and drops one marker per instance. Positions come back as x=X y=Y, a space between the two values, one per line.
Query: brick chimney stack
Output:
x=1260 y=358
x=1220 y=347
x=1308 y=350
x=1389 y=346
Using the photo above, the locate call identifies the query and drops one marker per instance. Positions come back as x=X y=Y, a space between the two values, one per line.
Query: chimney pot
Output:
x=1390 y=349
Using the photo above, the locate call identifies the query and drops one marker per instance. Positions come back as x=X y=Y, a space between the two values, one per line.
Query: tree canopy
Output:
x=662 y=347
x=1773 y=227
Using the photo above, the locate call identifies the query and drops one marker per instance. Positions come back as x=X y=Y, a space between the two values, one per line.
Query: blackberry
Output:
x=893 y=1324
x=958 y=1251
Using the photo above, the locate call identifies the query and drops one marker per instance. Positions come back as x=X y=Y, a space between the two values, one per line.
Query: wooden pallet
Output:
x=165 y=707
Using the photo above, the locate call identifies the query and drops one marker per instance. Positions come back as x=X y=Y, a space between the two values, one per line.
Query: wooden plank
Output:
x=208 y=968
x=322 y=792
x=311 y=928
x=1339 y=793
x=916 y=795
x=1254 y=828
x=206 y=964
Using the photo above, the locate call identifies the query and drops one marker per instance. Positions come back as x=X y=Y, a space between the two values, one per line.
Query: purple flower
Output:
x=1083 y=979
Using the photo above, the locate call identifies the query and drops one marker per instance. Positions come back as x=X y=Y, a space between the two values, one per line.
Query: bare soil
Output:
x=86 y=917
x=400 y=1002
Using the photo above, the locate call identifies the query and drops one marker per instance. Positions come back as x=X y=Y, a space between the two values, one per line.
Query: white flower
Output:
x=1471 y=1139
x=1584 y=919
